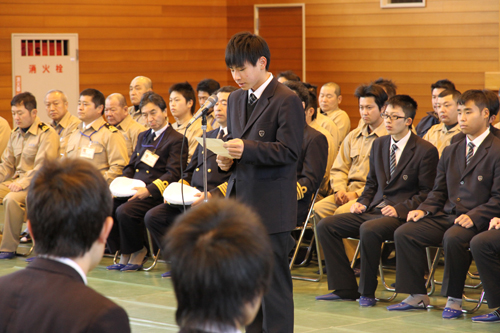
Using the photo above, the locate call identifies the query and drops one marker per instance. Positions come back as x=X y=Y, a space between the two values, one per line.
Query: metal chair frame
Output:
x=151 y=250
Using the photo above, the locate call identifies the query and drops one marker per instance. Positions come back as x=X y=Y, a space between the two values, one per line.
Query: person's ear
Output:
x=106 y=229
x=339 y=99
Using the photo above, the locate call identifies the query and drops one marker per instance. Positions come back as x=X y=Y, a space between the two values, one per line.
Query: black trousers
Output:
x=411 y=240
x=373 y=229
x=128 y=233
x=159 y=219
x=276 y=313
x=485 y=249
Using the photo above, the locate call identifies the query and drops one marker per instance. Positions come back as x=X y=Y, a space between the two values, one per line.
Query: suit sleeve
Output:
x=426 y=177
x=109 y=321
x=8 y=165
x=313 y=169
x=173 y=168
x=437 y=197
x=371 y=185
x=289 y=135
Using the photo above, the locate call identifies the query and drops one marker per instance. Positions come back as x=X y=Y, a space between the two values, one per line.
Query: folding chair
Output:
x=308 y=225
x=151 y=250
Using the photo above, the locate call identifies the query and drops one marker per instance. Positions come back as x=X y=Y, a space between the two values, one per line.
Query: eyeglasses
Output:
x=392 y=117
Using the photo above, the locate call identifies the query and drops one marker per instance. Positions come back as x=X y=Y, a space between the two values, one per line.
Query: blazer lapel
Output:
x=385 y=157
x=460 y=157
x=481 y=152
x=262 y=103
x=405 y=157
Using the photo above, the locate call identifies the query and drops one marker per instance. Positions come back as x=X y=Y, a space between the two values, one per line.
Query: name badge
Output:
x=149 y=158
x=87 y=153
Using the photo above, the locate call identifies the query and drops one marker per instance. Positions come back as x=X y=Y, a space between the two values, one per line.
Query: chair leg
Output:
x=382 y=279
x=320 y=264
x=355 y=256
x=432 y=264
x=480 y=301
x=298 y=243
x=151 y=250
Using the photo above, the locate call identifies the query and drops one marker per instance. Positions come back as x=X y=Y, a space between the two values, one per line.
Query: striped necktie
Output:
x=470 y=153
x=393 y=158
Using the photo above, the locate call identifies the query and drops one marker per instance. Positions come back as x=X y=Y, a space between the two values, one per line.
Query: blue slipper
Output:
x=449 y=313
x=166 y=274
x=367 y=301
x=7 y=255
x=30 y=259
x=131 y=268
x=115 y=267
x=492 y=317
x=405 y=306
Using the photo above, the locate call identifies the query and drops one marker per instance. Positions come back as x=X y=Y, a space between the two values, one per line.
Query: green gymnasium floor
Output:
x=150 y=303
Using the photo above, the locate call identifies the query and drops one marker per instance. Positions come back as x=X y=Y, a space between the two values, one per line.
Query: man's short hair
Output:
x=67 y=204
x=186 y=90
x=245 y=46
x=334 y=86
x=479 y=97
x=97 y=97
x=221 y=259
x=121 y=99
x=25 y=98
x=372 y=90
x=226 y=89
x=494 y=103
x=152 y=97
x=209 y=86
x=389 y=86
x=455 y=94
x=406 y=103
x=299 y=88
x=63 y=95
x=289 y=76
x=443 y=84
x=148 y=84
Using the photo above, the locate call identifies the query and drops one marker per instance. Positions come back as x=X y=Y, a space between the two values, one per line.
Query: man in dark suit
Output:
x=69 y=217
x=485 y=249
x=401 y=174
x=156 y=161
x=265 y=123
x=465 y=197
x=161 y=217
x=312 y=162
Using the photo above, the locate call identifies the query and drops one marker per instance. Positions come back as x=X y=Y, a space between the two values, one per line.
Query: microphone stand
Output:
x=204 y=128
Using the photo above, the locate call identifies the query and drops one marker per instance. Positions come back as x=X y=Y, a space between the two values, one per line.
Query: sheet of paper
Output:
x=215 y=146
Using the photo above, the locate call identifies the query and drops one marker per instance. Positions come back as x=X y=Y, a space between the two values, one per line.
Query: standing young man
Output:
x=265 y=123
x=402 y=172
x=465 y=197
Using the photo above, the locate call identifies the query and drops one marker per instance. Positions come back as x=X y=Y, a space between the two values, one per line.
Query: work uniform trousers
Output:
x=373 y=229
x=411 y=262
x=485 y=249
x=15 y=214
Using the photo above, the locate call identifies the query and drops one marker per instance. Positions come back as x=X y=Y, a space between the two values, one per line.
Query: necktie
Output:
x=393 y=158
x=470 y=153
x=252 y=99
x=222 y=133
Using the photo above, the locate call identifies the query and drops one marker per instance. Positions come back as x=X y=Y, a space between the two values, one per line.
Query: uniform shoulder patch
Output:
x=111 y=127
x=44 y=127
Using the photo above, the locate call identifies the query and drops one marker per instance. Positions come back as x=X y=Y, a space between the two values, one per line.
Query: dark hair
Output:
x=152 y=97
x=389 y=86
x=406 y=103
x=67 y=203
x=221 y=259
x=25 y=98
x=443 y=84
x=289 y=76
x=245 y=46
x=226 y=89
x=97 y=97
x=186 y=90
x=372 y=90
x=301 y=91
x=455 y=94
x=494 y=103
x=208 y=85
x=479 y=97
x=313 y=99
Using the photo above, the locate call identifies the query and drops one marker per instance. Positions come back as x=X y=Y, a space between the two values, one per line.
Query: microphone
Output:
x=207 y=105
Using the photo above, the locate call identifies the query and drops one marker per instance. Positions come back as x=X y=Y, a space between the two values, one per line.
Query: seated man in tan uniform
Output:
x=4 y=134
x=117 y=115
x=447 y=107
x=30 y=143
x=138 y=86
x=95 y=139
x=56 y=104
x=329 y=99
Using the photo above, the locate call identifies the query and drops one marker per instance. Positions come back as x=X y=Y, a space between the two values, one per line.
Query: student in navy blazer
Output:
x=391 y=191
x=465 y=197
